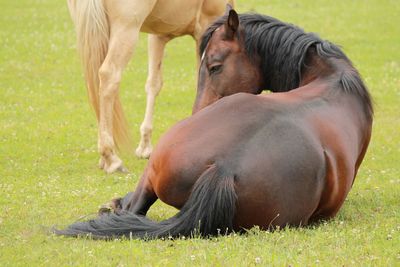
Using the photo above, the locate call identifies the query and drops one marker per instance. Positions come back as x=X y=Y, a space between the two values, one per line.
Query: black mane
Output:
x=282 y=48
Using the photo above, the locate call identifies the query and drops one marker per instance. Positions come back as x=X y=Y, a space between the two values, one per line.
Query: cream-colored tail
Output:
x=93 y=33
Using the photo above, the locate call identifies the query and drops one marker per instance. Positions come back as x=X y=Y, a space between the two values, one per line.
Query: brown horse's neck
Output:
x=328 y=76
x=316 y=67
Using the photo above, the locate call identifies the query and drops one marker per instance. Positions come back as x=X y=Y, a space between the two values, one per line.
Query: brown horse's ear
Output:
x=231 y=24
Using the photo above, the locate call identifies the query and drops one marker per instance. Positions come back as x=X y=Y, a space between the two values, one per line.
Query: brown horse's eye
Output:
x=215 y=69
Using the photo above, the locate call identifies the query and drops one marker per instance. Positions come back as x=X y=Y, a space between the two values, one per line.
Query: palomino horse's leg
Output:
x=156 y=46
x=120 y=51
x=124 y=33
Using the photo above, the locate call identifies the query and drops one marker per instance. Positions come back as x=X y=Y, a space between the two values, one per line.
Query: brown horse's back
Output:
x=257 y=144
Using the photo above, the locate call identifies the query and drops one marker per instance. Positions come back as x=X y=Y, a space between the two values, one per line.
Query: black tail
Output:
x=209 y=210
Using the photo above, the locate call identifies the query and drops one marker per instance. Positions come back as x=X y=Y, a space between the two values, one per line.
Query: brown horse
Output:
x=279 y=159
x=107 y=32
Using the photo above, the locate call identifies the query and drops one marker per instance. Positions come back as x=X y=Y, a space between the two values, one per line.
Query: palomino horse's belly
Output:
x=167 y=18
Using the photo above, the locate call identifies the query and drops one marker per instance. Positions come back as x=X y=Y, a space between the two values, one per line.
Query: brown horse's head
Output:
x=225 y=67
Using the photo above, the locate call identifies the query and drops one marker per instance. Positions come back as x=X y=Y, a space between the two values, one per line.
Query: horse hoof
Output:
x=116 y=168
x=104 y=210
x=111 y=164
x=144 y=152
x=113 y=206
x=122 y=169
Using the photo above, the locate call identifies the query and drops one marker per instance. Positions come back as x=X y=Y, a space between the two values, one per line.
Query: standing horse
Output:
x=287 y=158
x=107 y=32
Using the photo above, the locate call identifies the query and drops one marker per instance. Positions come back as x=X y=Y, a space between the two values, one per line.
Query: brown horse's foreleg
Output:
x=156 y=46
x=115 y=205
x=137 y=202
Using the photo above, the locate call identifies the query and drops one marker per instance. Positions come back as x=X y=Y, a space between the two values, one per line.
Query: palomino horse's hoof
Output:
x=112 y=169
x=122 y=169
x=144 y=152
x=112 y=166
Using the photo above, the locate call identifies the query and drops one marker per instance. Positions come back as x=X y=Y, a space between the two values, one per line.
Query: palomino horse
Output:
x=107 y=32
x=287 y=158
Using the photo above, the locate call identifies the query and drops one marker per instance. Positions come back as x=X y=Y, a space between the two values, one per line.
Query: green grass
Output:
x=48 y=172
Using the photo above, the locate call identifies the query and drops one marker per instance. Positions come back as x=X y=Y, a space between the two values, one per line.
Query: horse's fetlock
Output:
x=146 y=129
x=153 y=86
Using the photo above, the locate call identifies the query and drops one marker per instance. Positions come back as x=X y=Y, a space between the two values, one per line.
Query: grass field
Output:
x=48 y=147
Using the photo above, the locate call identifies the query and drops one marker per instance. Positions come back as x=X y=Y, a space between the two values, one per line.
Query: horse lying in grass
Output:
x=107 y=32
x=287 y=158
